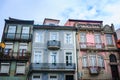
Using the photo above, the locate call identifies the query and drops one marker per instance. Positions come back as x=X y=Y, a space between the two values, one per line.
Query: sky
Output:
x=104 y=10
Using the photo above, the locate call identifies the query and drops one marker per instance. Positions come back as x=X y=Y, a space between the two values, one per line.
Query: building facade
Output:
x=14 y=60
x=97 y=54
x=53 y=52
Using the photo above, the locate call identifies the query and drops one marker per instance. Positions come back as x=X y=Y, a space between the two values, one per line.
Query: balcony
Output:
x=53 y=45
x=14 y=56
x=17 y=37
x=94 y=46
x=52 y=67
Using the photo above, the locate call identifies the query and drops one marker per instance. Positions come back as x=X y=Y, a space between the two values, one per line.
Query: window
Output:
x=68 y=58
x=83 y=40
x=5 y=68
x=8 y=49
x=92 y=60
x=53 y=36
x=37 y=57
x=100 y=61
x=98 y=41
x=53 y=77
x=53 y=58
x=22 y=49
x=84 y=61
x=68 y=38
x=25 y=33
x=20 y=69
x=36 y=77
x=39 y=37
x=11 y=32
x=112 y=58
x=11 y=29
x=109 y=39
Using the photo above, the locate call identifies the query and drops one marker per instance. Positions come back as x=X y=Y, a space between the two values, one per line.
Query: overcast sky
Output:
x=106 y=10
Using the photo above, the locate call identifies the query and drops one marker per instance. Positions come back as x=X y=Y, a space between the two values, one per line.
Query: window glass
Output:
x=92 y=60
x=68 y=58
x=11 y=29
x=109 y=39
x=36 y=77
x=20 y=68
x=84 y=61
x=53 y=77
x=68 y=38
x=53 y=58
x=26 y=30
x=53 y=36
x=82 y=37
x=38 y=57
x=5 y=68
x=39 y=37
x=100 y=61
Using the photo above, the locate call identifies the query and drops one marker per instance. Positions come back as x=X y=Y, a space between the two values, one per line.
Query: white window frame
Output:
x=18 y=71
x=40 y=54
x=92 y=59
x=100 y=61
x=71 y=54
x=51 y=35
x=53 y=75
x=69 y=41
x=83 y=40
x=53 y=53
x=37 y=75
x=3 y=69
x=84 y=61
x=39 y=37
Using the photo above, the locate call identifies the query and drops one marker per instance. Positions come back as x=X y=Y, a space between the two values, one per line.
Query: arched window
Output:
x=112 y=58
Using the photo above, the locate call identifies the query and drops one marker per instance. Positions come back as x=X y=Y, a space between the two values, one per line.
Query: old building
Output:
x=53 y=52
x=97 y=54
x=14 y=60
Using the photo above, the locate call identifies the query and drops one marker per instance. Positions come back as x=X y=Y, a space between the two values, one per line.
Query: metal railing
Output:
x=17 y=36
x=49 y=66
x=92 y=45
x=53 y=44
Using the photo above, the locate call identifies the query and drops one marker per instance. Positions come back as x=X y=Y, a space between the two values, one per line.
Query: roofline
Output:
x=94 y=21
x=54 y=27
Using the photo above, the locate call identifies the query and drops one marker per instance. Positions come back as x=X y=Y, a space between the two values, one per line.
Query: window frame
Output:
x=20 y=64
x=70 y=40
x=40 y=54
x=8 y=72
x=39 y=37
x=109 y=39
x=51 y=36
x=37 y=75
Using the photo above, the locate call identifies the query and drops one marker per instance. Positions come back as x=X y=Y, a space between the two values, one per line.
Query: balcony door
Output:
x=22 y=49
x=68 y=59
x=69 y=77
x=114 y=68
x=53 y=58
x=83 y=40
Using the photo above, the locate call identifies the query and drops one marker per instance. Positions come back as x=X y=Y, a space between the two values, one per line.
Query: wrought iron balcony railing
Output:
x=51 y=66
x=53 y=44
x=92 y=45
x=17 y=36
x=15 y=56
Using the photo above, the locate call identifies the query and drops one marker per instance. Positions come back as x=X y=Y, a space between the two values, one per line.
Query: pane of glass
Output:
x=11 y=29
x=25 y=30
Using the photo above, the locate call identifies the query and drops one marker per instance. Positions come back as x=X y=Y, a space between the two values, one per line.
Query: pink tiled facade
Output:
x=97 y=54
